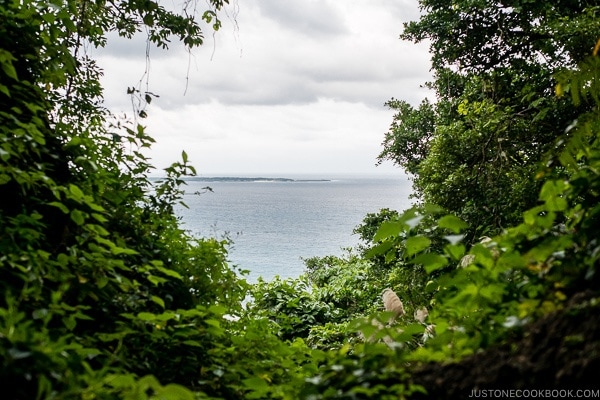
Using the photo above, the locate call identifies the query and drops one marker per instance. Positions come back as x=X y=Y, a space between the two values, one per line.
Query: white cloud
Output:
x=326 y=136
x=298 y=87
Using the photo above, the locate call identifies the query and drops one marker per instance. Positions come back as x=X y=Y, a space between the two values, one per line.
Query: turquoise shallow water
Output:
x=274 y=225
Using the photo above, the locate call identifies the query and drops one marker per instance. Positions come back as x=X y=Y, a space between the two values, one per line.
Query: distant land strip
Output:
x=245 y=179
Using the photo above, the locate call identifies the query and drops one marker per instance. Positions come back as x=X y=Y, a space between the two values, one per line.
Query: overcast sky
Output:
x=285 y=87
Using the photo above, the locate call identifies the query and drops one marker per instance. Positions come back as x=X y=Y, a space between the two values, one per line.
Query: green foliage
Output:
x=253 y=362
x=476 y=150
x=370 y=371
x=350 y=284
x=370 y=223
x=483 y=293
x=479 y=36
x=331 y=336
x=102 y=294
x=291 y=306
x=529 y=270
x=408 y=140
x=478 y=291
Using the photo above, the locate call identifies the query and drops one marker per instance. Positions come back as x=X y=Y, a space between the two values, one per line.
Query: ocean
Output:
x=275 y=224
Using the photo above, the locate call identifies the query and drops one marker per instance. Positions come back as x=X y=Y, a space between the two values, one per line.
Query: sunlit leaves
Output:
x=552 y=195
x=416 y=244
x=430 y=261
x=389 y=229
x=77 y=216
x=452 y=223
x=455 y=250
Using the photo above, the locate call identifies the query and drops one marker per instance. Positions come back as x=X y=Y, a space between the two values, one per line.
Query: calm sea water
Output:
x=274 y=225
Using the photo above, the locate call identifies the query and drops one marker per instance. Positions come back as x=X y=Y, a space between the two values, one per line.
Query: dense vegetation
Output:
x=103 y=295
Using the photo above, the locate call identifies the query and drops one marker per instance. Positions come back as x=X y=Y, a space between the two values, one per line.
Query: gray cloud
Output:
x=281 y=83
x=308 y=17
x=284 y=52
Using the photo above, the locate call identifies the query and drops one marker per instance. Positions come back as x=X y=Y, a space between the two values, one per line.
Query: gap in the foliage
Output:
x=275 y=224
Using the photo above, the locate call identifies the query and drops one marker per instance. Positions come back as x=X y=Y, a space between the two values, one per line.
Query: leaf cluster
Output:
x=476 y=149
x=102 y=294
